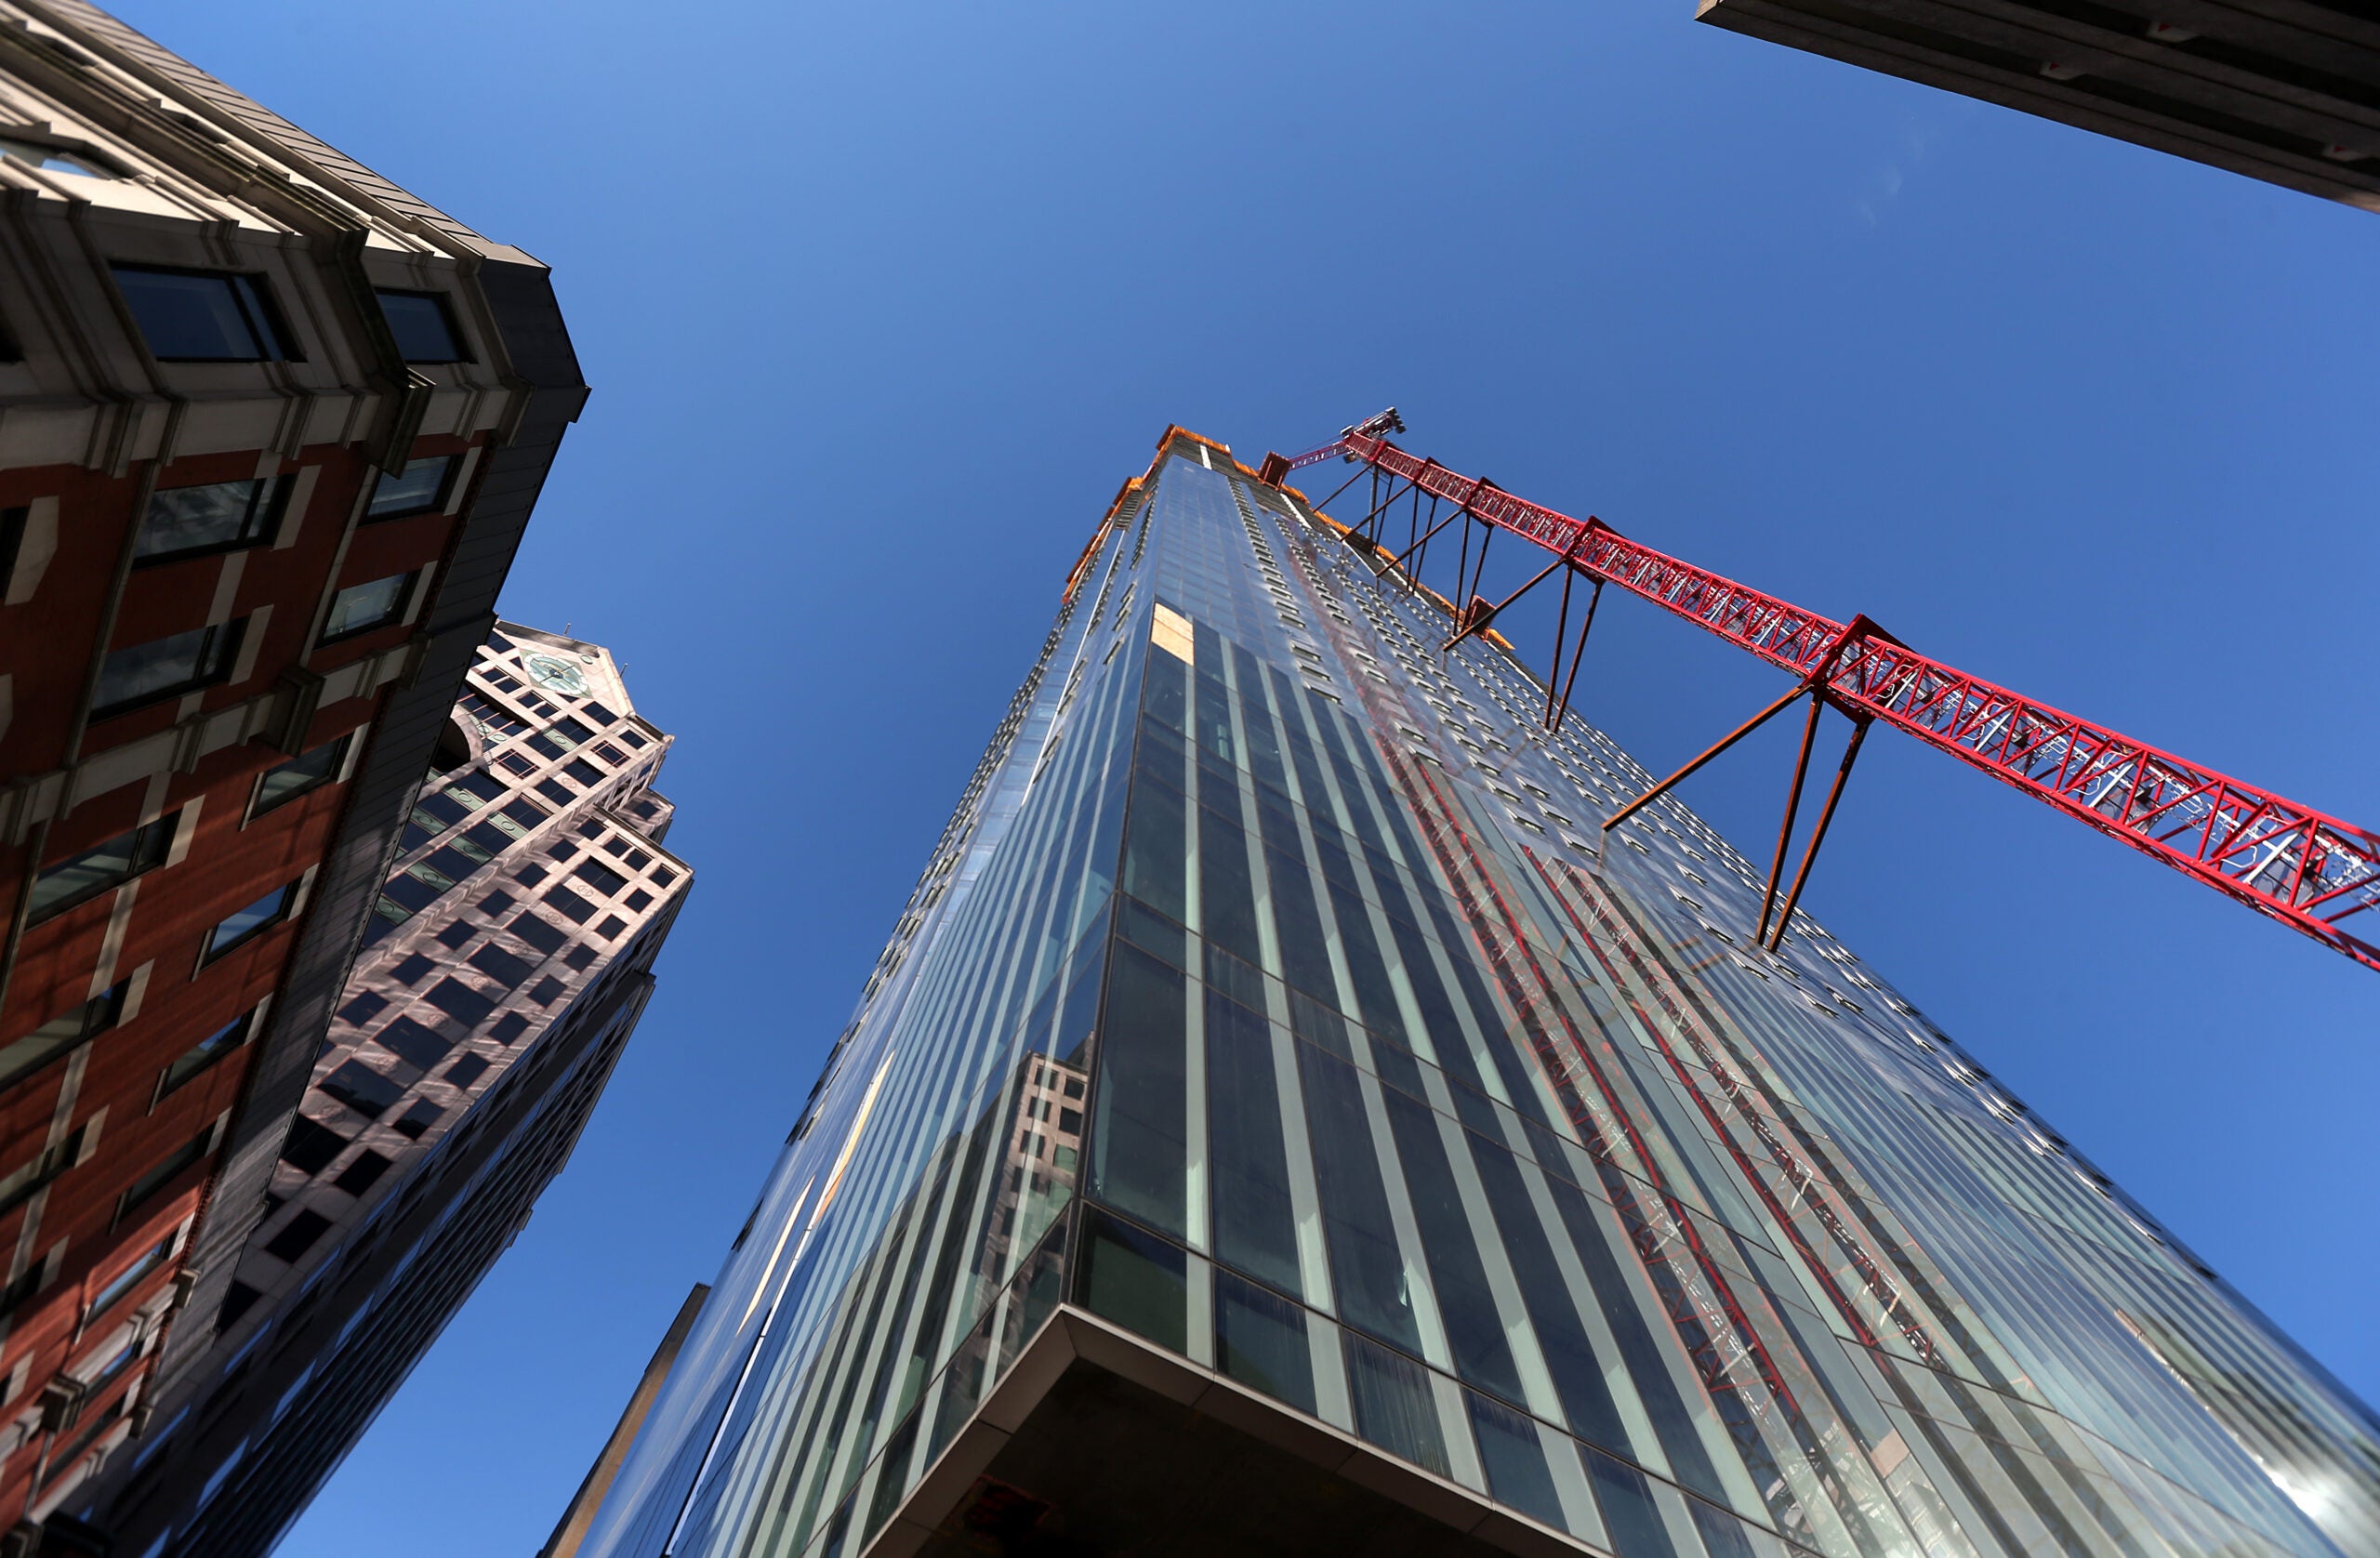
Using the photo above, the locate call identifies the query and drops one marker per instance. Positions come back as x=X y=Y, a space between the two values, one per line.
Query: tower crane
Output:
x=2312 y=871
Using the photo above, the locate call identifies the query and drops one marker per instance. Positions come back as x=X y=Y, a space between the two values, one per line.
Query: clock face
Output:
x=557 y=676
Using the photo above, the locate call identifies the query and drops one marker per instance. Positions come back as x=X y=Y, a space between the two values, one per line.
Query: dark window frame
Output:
x=36 y=1280
x=61 y=1461
x=96 y=1016
x=210 y=953
x=258 y=806
x=403 y=604
x=251 y=294
x=169 y=1083
x=329 y=1146
x=120 y=1363
x=366 y=1178
x=44 y=1169
x=437 y=503
x=112 y=1292
x=268 y=510
x=163 y=1174
x=234 y=634
x=13 y=520
x=97 y=164
x=347 y=1094
x=301 y=1246
x=151 y=842
x=419 y=1115
x=443 y=302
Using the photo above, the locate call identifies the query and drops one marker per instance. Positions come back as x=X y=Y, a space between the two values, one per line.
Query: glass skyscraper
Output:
x=1283 y=1121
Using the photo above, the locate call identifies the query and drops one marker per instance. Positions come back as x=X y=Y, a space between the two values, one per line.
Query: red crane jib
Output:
x=2301 y=868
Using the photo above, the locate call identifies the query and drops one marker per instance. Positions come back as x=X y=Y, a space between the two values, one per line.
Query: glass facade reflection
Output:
x=1273 y=996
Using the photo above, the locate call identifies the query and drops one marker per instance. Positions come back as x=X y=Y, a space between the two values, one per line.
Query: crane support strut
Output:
x=2310 y=870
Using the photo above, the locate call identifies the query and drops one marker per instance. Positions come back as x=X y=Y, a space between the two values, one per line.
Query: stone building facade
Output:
x=508 y=961
x=269 y=429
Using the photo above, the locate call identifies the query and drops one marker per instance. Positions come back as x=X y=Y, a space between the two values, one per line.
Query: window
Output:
x=424 y=329
x=451 y=864
x=252 y=921
x=162 y=1174
x=35 y=1278
x=361 y=1089
x=306 y=772
x=361 y=607
x=61 y=1034
x=207 y=1050
x=204 y=316
x=467 y=1070
x=420 y=488
x=237 y=1301
x=413 y=1043
x=299 y=1235
x=436 y=810
x=100 y=870
x=550 y=743
x=165 y=667
x=311 y=1145
x=116 y=1366
x=61 y=1461
x=214 y=517
x=12 y=520
x=387 y=915
x=502 y=966
x=497 y=723
x=601 y=877
x=360 y=1175
x=44 y=1166
x=417 y=1120
x=57 y=159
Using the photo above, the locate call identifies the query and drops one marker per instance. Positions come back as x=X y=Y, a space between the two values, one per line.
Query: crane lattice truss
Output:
x=2308 y=870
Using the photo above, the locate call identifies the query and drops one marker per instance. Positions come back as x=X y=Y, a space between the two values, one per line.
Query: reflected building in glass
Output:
x=1284 y=1122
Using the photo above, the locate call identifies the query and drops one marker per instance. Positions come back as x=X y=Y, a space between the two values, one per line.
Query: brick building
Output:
x=269 y=429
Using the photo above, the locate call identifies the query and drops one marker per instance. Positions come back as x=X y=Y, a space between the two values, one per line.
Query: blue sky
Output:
x=880 y=303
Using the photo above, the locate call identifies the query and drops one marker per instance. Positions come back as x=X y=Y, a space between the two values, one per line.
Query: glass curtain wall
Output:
x=1275 y=997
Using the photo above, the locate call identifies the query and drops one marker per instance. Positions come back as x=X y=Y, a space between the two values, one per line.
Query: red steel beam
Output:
x=2306 y=869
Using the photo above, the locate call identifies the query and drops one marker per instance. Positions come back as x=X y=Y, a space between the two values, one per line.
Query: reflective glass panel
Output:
x=361 y=607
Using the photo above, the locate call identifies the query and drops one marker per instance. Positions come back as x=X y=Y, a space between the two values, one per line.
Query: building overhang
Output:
x=2271 y=89
x=1096 y=1441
